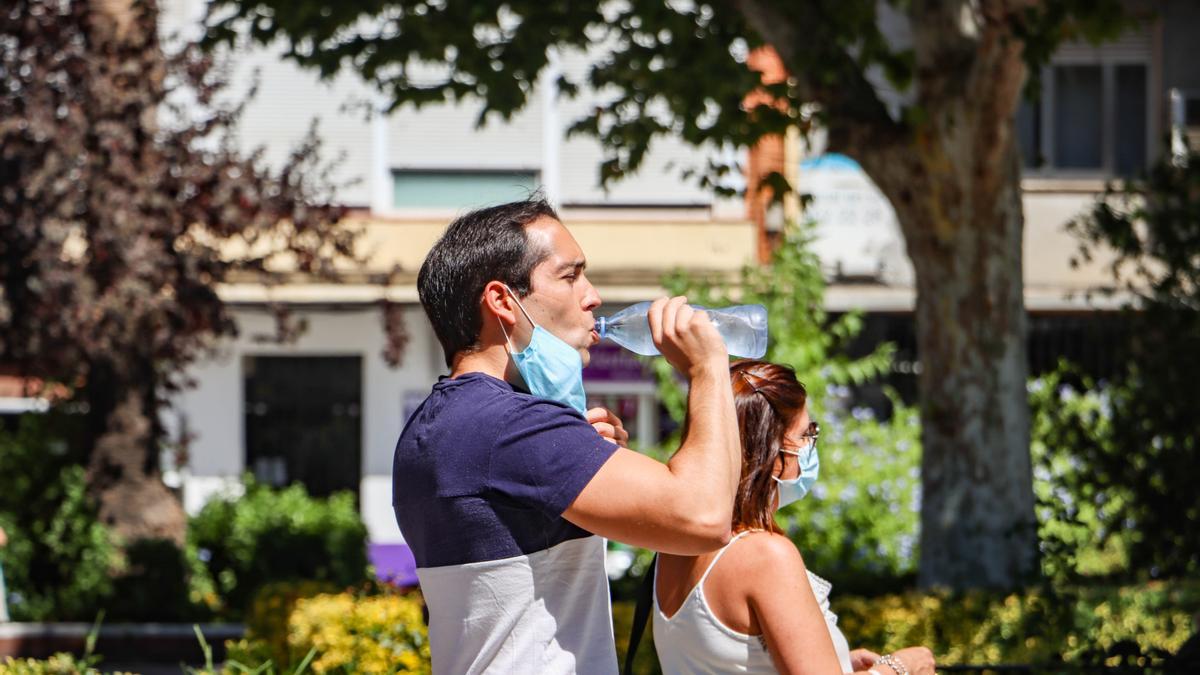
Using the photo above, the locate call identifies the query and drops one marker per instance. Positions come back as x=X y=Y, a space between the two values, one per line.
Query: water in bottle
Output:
x=742 y=327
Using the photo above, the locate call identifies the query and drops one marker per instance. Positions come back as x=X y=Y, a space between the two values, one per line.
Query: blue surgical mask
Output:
x=794 y=489
x=550 y=367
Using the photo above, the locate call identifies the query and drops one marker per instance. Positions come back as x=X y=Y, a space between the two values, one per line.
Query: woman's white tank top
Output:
x=694 y=640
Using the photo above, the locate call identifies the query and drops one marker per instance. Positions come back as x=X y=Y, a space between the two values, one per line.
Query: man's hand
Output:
x=686 y=337
x=862 y=659
x=3 y=538
x=608 y=425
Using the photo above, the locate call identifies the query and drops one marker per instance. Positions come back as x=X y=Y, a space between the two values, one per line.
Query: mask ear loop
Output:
x=521 y=306
x=507 y=339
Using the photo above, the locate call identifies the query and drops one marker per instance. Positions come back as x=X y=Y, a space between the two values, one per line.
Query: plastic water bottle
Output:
x=742 y=327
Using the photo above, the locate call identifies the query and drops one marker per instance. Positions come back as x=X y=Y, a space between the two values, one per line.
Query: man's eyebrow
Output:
x=578 y=264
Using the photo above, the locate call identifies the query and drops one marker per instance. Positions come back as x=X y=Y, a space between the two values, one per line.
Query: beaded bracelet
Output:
x=893 y=663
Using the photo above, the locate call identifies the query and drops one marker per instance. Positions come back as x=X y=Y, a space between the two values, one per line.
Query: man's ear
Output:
x=497 y=302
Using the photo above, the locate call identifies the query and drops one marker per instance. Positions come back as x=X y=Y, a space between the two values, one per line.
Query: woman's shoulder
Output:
x=745 y=577
x=768 y=552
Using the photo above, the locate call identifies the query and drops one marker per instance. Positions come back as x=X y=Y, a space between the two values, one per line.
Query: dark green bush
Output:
x=269 y=535
x=157 y=583
x=59 y=558
x=1149 y=227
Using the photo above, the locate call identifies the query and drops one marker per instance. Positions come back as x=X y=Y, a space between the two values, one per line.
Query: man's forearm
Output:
x=710 y=455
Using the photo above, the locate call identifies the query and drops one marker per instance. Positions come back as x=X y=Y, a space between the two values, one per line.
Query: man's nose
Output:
x=591 y=298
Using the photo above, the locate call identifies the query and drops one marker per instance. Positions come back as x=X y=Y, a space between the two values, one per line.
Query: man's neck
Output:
x=492 y=361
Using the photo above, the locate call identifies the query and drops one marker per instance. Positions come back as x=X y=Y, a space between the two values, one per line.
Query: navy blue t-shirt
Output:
x=484 y=472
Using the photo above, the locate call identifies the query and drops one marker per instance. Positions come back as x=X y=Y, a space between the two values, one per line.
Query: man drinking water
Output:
x=503 y=484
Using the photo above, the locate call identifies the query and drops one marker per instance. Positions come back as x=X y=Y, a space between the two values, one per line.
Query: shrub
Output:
x=62 y=663
x=376 y=634
x=859 y=526
x=269 y=535
x=1149 y=230
x=380 y=632
x=59 y=558
x=1081 y=526
x=59 y=664
x=1076 y=625
x=158 y=582
x=267 y=623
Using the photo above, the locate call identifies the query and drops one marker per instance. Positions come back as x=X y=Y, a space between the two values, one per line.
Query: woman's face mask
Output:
x=794 y=489
x=550 y=367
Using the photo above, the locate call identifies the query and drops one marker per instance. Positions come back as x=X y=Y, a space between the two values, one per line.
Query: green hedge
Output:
x=60 y=559
x=1075 y=626
x=266 y=535
x=1081 y=625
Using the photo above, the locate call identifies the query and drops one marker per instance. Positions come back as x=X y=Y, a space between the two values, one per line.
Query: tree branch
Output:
x=855 y=114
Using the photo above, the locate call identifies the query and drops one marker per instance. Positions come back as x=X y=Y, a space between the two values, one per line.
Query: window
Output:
x=1185 y=121
x=1078 y=129
x=450 y=189
x=1191 y=111
x=1091 y=118
x=1130 y=142
x=304 y=422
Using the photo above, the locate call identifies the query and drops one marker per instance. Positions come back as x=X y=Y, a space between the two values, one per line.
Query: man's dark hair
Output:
x=481 y=246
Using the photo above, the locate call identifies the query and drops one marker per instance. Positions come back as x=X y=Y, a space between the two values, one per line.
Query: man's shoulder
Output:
x=475 y=402
x=478 y=394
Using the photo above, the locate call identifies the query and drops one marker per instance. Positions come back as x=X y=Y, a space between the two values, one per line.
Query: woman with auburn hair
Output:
x=752 y=606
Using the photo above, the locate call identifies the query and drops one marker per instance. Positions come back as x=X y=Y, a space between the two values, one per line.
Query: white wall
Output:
x=287 y=102
x=442 y=136
x=214 y=408
x=446 y=137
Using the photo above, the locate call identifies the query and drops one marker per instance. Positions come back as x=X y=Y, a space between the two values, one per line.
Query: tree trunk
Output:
x=123 y=467
x=123 y=430
x=950 y=168
x=977 y=519
x=956 y=190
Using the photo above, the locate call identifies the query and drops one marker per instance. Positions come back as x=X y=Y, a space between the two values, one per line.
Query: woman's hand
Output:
x=862 y=659
x=918 y=660
x=608 y=425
